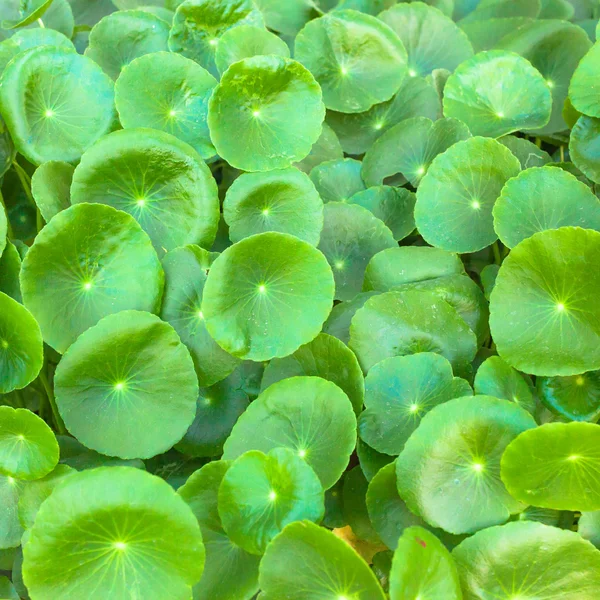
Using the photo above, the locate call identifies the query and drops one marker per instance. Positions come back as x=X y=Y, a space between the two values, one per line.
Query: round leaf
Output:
x=309 y=415
x=325 y=357
x=584 y=148
x=528 y=560
x=21 y=346
x=217 y=410
x=356 y=58
x=229 y=573
x=159 y=180
x=410 y=147
x=302 y=550
x=357 y=131
x=115 y=386
x=449 y=470
x=28 y=448
x=422 y=567
x=582 y=90
x=274 y=105
x=267 y=295
x=122 y=36
x=351 y=236
x=261 y=493
x=245 y=41
x=540 y=198
x=457 y=194
x=338 y=180
x=542 y=313
x=409 y=322
x=556 y=465
x=340 y=317
x=576 y=397
x=198 y=25
x=496 y=93
x=51 y=187
x=102 y=263
x=11 y=529
x=100 y=520
x=394 y=206
x=432 y=40
x=496 y=378
x=399 y=392
x=185 y=273
x=56 y=103
x=168 y=92
x=283 y=200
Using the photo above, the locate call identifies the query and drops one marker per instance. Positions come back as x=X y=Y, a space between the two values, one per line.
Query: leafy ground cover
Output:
x=299 y=300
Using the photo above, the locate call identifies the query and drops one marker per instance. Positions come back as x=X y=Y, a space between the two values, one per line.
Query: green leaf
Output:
x=325 y=357
x=582 y=93
x=261 y=493
x=30 y=11
x=7 y=590
x=457 y=194
x=114 y=386
x=245 y=41
x=409 y=322
x=555 y=466
x=21 y=347
x=35 y=492
x=576 y=397
x=399 y=392
x=584 y=147
x=303 y=549
x=338 y=322
x=11 y=529
x=158 y=179
x=25 y=39
x=542 y=318
x=122 y=36
x=358 y=131
x=528 y=559
x=185 y=274
x=338 y=180
x=554 y=48
x=217 y=410
x=449 y=470
x=198 y=25
x=100 y=260
x=10 y=267
x=371 y=461
x=51 y=187
x=351 y=236
x=230 y=573
x=267 y=295
x=394 y=206
x=496 y=93
x=354 y=505
x=539 y=199
x=168 y=92
x=271 y=103
x=56 y=103
x=394 y=267
x=28 y=448
x=410 y=147
x=589 y=527
x=496 y=378
x=102 y=519
x=529 y=154
x=390 y=515
x=357 y=59
x=432 y=40
x=424 y=567
x=283 y=200
x=309 y=415
x=327 y=147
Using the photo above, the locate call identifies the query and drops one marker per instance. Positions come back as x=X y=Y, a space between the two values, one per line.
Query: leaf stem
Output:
x=497 y=255
x=60 y=426
x=562 y=153
x=26 y=185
